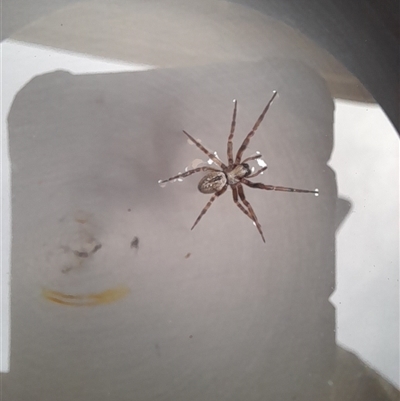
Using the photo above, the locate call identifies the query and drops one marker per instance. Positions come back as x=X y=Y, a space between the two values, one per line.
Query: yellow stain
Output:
x=100 y=298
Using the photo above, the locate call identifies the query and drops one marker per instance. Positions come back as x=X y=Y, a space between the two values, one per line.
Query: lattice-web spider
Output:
x=234 y=174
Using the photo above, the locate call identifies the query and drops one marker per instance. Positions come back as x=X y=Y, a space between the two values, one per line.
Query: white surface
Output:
x=20 y=63
x=365 y=159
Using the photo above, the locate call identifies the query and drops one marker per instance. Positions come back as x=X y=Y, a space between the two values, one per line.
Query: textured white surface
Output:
x=20 y=63
x=367 y=244
x=87 y=152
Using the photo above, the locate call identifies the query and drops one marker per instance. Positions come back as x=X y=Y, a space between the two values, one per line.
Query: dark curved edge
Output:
x=363 y=35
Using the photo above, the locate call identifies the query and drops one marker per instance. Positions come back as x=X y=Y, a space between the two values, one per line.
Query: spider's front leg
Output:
x=256 y=173
x=187 y=173
x=262 y=164
x=207 y=152
x=230 y=138
x=253 y=131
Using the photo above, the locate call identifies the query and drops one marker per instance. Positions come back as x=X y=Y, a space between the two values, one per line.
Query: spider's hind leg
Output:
x=187 y=173
x=204 y=211
x=260 y=185
x=250 y=213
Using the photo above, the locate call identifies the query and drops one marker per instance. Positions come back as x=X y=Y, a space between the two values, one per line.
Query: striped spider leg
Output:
x=214 y=182
x=235 y=174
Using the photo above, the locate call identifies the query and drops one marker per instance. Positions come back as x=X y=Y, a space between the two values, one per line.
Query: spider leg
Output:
x=254 y=157
x=252 y=132
x=255 y=174
x=204 y=150
x=233 y=125
x=260 y=185
x=246 y=212
x=203 y=212
x=187 y=173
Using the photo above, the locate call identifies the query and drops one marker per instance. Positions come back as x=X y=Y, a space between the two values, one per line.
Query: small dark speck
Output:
x=129 y=210
x=96 y=248
x=187 y=255
x=81 y=254
x=135 y=243
x=190 y=336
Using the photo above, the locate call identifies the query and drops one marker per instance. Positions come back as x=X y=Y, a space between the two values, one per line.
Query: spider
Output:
x=235 y=174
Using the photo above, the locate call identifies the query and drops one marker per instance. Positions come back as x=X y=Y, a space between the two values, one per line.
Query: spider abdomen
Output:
x=212 y=182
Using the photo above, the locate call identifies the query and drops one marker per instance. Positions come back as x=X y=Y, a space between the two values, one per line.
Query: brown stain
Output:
x=94 y=299
x=83 y=217
x=187 y=255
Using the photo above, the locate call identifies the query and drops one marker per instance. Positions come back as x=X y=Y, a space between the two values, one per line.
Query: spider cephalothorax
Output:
x=234 y=174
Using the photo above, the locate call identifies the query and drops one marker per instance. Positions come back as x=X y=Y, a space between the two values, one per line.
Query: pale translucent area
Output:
x=366 y=161
x=20 y=63
x=261 y=163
